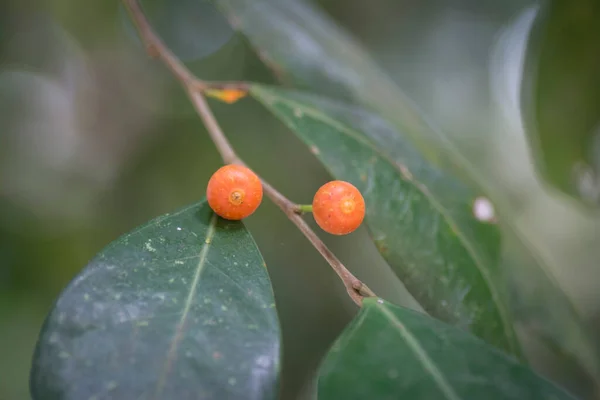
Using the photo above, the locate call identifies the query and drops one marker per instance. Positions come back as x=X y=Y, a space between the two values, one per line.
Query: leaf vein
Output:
x=420 y=354
x=188 y=304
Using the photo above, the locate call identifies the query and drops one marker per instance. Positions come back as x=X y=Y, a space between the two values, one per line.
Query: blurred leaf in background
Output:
x=561 y=96
x=191 y=29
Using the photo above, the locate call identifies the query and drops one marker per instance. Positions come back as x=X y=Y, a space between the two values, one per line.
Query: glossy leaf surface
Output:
x=180 y=308
x=389 y=352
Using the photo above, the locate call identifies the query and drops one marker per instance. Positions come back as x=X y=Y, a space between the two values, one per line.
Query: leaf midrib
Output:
x=419 y=352
x=171 y=355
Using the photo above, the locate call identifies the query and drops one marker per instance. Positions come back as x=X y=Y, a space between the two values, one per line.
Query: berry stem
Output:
x=195 y=88
x=303 y=208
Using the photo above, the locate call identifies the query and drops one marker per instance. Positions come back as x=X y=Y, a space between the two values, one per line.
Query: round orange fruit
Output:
x=234 y=192
x=338 y=207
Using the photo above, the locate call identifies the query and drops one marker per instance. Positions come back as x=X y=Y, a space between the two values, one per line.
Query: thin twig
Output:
x=194 y=88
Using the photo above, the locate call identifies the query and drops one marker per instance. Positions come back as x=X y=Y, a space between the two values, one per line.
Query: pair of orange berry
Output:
x=234 y=192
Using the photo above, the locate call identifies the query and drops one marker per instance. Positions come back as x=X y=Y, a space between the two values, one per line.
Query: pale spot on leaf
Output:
x=483 y=210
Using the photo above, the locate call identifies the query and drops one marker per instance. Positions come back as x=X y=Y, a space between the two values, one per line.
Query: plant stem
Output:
x=194 y=88
x=304 y=208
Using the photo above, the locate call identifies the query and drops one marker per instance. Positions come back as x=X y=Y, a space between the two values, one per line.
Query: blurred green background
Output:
x=96 y=138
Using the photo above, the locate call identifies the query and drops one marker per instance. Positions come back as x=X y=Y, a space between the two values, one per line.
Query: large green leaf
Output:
x=561 y=95
x=463 y=266
x=180 y=308
x=389 y=352
x=420 y=218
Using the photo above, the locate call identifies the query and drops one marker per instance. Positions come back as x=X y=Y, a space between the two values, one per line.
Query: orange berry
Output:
x=234 y=192
x=338 y=207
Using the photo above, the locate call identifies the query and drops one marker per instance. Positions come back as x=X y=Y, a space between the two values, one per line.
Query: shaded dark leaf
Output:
x=192 y=29
x=307 y=49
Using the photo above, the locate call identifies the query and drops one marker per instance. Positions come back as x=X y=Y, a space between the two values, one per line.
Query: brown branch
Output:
x=194 y=88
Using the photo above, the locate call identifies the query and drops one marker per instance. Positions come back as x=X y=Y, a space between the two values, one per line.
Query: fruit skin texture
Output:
x=338 y=207
x=234 y=192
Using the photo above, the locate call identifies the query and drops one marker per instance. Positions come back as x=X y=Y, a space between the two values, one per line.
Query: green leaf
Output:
x=464 y=267
x=181 y=307
x=389 y=352
x=561 y=95
x=420 y=218
x=308 y=50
